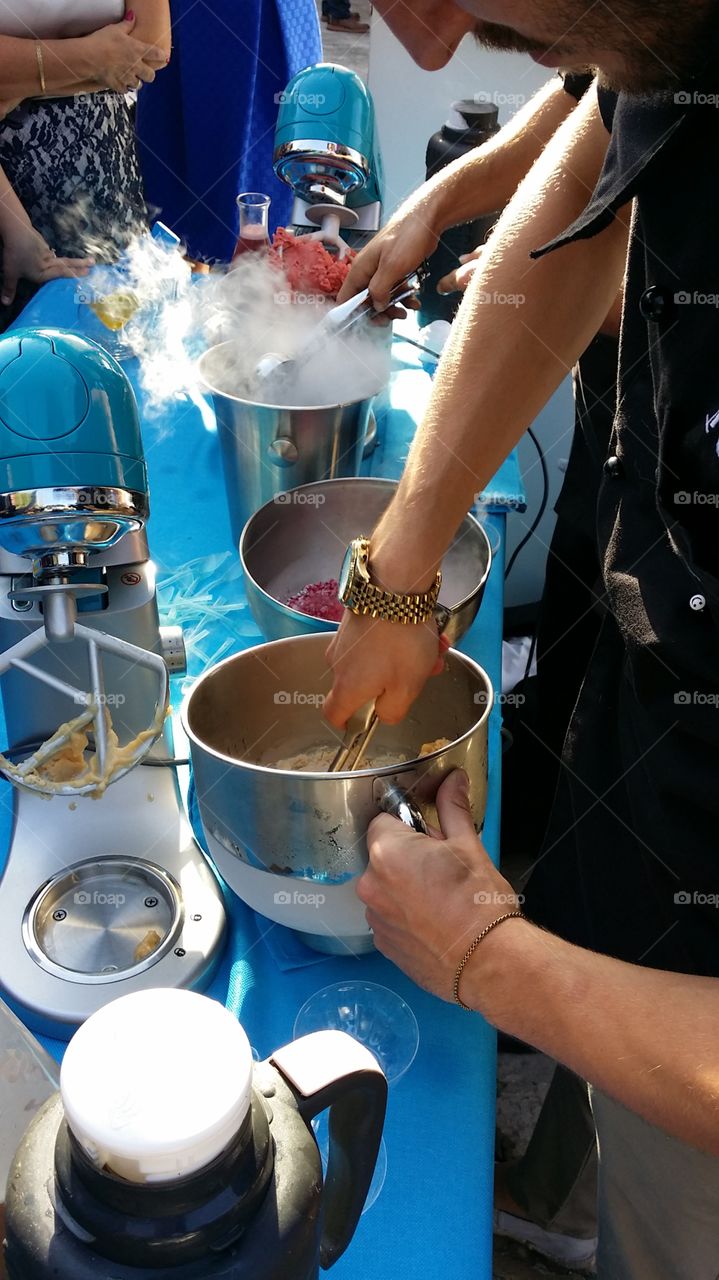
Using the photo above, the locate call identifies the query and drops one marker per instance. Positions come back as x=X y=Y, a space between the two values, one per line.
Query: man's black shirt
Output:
x=631 y=860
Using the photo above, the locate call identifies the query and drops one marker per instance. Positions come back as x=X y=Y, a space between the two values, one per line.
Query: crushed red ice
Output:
x=319 y=600
x=308 y=266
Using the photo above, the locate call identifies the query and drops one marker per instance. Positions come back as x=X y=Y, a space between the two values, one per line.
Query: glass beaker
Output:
x=254 y=234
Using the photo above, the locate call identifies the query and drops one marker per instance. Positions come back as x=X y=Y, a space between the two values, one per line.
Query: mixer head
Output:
x=325 y=138
x=73 y=483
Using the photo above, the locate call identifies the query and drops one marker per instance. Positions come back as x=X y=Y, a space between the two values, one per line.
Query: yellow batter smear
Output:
x=438 y=745
x=150 y=943
x=69 y=766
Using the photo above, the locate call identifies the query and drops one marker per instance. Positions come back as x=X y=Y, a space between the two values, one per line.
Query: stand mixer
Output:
x=104 y=889
x=326 y=151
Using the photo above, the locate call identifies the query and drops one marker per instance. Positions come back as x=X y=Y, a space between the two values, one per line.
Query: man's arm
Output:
x=503 y=361
x=476 y=184
x=648 y=1038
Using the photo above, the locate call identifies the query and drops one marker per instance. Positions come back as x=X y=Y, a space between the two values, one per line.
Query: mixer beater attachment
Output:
x=111 y=760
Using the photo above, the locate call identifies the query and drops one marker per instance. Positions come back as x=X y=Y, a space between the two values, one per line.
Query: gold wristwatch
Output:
x=358 y=593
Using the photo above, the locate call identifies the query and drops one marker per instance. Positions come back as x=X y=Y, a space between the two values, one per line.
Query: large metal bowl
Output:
x=291 y=844
x=300 y=537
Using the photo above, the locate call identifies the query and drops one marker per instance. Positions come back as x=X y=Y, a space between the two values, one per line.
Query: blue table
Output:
x=434 y=1215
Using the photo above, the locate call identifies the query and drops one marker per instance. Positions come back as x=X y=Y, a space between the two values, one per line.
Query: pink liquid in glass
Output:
x=251 y=240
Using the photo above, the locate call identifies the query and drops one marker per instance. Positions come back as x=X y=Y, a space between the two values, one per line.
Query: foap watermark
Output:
x=499 y=299
x=283 y=898
x=292 y=297
x=487 y=898
x=495 y=498
x=695 y=698
x=300 y=99
x=514 y=100
x=298 y=698
x=685 y=898
x=504 y=699
x=98 y=899
x=295 y=497
x=683 y=498
x=102 y=700
x=696 y=299
x=684 y=98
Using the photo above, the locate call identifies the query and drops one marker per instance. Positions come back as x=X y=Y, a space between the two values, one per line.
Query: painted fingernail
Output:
x=129 y=16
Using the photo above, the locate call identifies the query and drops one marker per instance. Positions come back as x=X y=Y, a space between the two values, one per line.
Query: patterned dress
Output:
x=73 y=164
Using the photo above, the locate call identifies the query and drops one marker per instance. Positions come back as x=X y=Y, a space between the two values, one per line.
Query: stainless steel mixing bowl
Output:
x=290 y=843
x=267 y=448
x=300 y=537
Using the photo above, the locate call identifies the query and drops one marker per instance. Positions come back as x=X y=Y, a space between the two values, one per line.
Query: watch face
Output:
x=345 y=579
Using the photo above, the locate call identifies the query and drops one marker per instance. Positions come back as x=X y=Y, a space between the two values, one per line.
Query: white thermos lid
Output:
x=156 y=1084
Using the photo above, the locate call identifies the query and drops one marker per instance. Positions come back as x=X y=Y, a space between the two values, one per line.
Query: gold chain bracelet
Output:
x=509 y=915
x=40 y=66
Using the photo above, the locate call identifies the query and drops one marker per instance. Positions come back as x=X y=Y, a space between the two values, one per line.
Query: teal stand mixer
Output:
x=326 y=151
x=104 y=890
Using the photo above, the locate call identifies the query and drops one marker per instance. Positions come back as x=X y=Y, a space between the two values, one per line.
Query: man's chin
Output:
x=640 y=82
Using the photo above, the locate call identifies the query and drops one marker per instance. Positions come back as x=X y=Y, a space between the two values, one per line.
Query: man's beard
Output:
x=658 y=47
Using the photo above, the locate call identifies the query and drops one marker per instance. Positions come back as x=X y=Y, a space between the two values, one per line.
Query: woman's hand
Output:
x=119 y=61
x=27 y=256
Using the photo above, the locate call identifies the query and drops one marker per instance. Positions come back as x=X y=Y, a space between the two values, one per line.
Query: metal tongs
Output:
x=94 y=714
x=357 y=737
x=337 y=322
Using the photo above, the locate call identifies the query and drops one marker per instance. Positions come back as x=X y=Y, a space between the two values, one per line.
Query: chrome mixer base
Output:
x=105 y=897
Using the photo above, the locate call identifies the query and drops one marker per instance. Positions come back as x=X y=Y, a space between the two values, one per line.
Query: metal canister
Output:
x=267 y=449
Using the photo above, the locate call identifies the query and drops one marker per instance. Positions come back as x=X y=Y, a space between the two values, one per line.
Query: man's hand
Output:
x=428 y=897
x=26 y=256
x=118 y=60
x=409 y=237
x=380 y=661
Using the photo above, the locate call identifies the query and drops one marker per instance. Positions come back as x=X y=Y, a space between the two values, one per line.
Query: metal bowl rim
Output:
x=263 y=404
x=296 y=615
x=403 y=766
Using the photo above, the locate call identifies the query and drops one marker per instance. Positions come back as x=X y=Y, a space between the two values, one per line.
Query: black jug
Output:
x=168 y=1154
x=470 y=124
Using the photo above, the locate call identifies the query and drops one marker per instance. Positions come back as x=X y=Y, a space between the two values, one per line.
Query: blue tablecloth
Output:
x=434 y=1213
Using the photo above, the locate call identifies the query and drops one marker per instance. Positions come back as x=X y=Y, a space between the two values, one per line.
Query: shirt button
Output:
x=613 y=467
x=654 y=303
x=697 y=603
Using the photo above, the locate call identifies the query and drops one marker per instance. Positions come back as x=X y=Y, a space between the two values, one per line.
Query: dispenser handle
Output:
x=394 y=800
x=332 y=1069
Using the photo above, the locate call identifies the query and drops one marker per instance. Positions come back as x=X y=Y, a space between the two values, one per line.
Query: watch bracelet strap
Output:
x=508 y=915
x=403 y=607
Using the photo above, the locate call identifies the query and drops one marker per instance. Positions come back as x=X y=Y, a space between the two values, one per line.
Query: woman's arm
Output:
x=153 y=24
x=112 y=57
x=25 y=255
